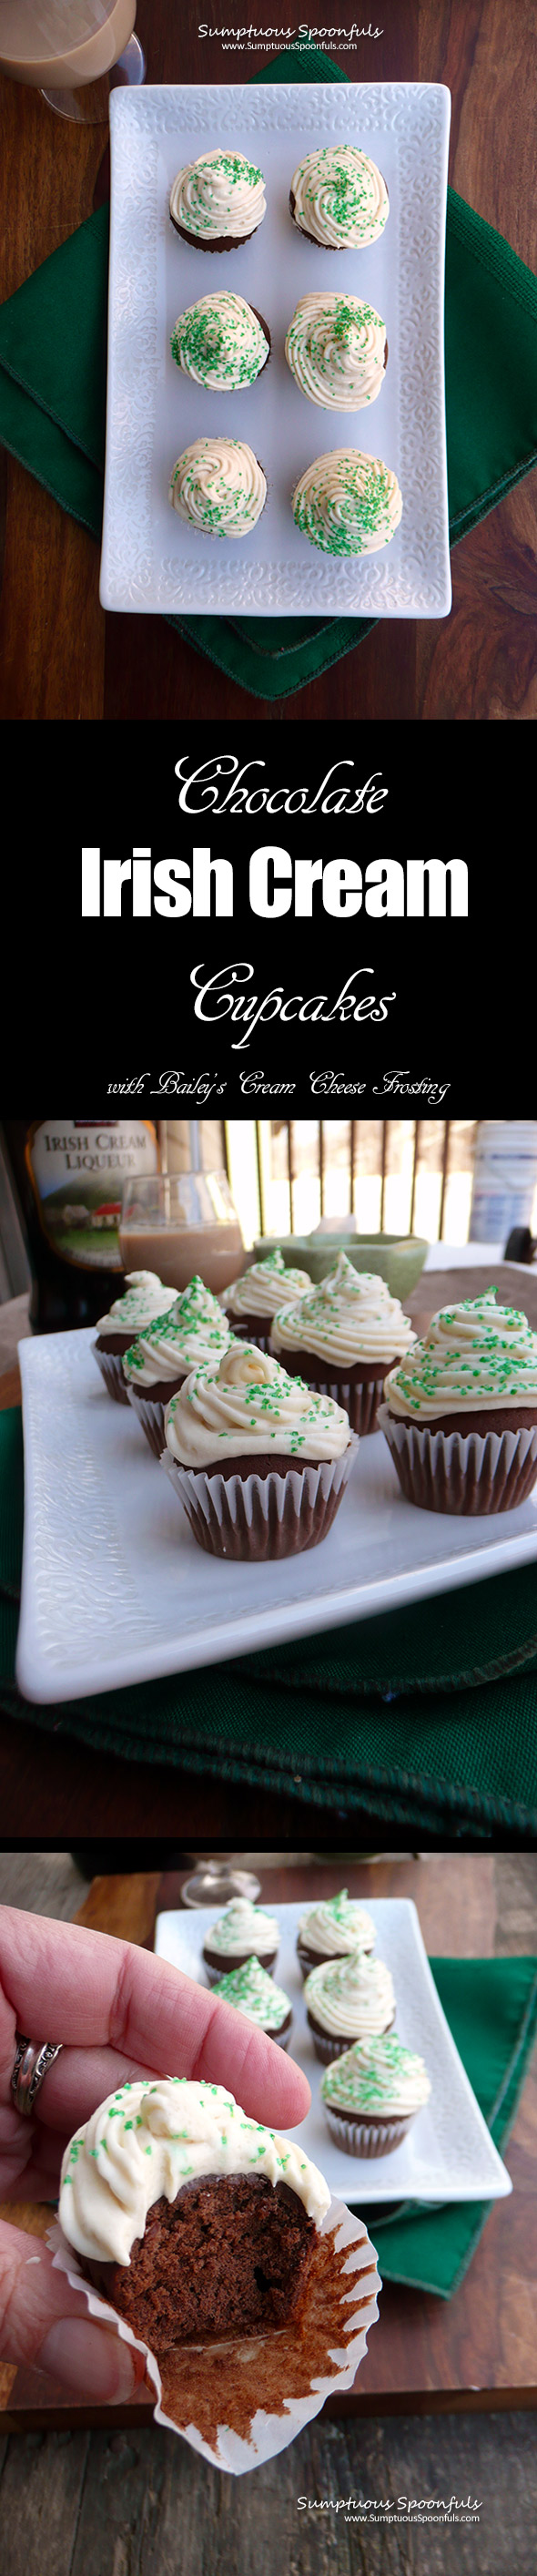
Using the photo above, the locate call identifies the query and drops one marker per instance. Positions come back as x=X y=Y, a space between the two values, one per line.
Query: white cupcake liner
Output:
x=464 y=1472
x=110 y=1364
x=150 y=1412
x=367 y=2137
x=269 y=2432
x=261 y=1517
x=329 y=2044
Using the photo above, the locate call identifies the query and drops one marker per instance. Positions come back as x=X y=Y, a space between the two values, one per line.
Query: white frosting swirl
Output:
x=377 y=2075
x=265 y=1286
x=219 y=343
x=474 y=1357
x=251 y=1991
x=351 y=1997
x=247 y=1406
x=336 y=1925
x=336 y=351
x=169 y=1350
x=143 y=1300
x=347 y=503
x=146 y=2140
x=341 y=199
x=220 y=194
x=243 y=1929
x=219 y=487
x=349 y=1317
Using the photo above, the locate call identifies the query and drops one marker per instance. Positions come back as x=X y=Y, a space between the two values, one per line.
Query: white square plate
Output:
x=149 y=559
x=448 y=2153
x=115 y=1588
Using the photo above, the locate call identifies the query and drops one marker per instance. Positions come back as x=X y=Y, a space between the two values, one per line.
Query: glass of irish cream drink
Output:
x=72 y=50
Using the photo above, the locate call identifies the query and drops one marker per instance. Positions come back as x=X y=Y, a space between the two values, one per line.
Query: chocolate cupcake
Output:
x=251 y=1302
x=241 y=1933
x=332 y=1928
x=218 y=486
x=218 y=201
x=336 y=349
x=338 y=198
x=221 y=342
x=347 y=503
x=193 y=2221
x=260 y=1464
x=159 y=1360
x=339 y=1336
x=371 y=2096
x=251 y=1991
x=460 y=1413
x=144 y=1299
x=348 y=1999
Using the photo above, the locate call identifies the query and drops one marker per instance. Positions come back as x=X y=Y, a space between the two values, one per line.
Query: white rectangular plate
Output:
x=115 y=1588
x=448 y=2153
x=149 y=559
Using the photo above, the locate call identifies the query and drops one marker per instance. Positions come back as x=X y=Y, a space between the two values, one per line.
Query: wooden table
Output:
x=478 y=2350
x=60 y=656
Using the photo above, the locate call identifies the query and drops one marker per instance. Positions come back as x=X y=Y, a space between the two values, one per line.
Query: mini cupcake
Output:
x=339 y=1336
x=252 y=1301
x=253 y=1992
x=371 y=2096
x=460 y=1414
x=331 y=1929
x=260 y=1464
x=218 y=202
x=221 y=343
x=154 y=1367
x=218 y=486
x=143 y=1300
x=338 y=198
x=242 y=1933
x=347 y=503
x=337 y=351
x=348 y=1999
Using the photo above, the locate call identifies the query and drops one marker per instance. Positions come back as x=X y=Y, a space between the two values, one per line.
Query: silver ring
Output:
x=30 y=2067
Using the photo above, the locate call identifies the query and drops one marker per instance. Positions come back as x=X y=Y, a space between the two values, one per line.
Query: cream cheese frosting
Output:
x=474 y=1357
x=253 y=1992
x=349 y=1317
x=377 y=2075
x=341 y=199
x=244 y=1928
x=267 y=1285
x=219 y=342
x=143 y=1300
x=347 y=503
x=351 y=1997
x=196 y=1330
x=220 y=195
x=146 y=2140
x=336 y=350
x=247 y=1406
x=335 y=1925
x=219 y=487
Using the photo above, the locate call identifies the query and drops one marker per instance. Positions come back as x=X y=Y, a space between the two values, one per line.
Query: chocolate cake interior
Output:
x=230 y=2255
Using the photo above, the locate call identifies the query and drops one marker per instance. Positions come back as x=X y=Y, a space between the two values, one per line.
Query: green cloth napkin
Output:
x=491 y=2007
x=53 y=390
x=427 y=1717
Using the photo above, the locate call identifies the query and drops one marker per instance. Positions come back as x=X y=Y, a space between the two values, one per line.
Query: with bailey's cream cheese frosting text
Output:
x=144 y=1299
x=249 y=1405
x=377 y=2075
x=265 y=1286
x=243 y=1928
x=475 y=1357
x=351 y=1316
x=351 y=1995
x=337 y=1924
x=148 y=2139
x=220 y=195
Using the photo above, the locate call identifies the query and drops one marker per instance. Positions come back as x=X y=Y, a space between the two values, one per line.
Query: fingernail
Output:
x=90 y=2360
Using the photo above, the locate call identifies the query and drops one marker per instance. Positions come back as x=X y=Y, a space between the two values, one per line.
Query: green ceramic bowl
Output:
x=398 y=1259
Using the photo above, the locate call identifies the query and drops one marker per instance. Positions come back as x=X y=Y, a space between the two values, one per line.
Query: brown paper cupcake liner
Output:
x=327 y=2046
x=111 y=1366
x=447 y=1472
x=151 y=1415
x=366 y=2137
x=256 y=1518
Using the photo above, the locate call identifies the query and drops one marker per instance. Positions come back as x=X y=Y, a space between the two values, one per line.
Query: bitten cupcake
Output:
x=218 y=201
x=144 y=1298
x=460 y=1414
x=242 y=1933
x=336 y=349
x=371 y=2096
x=251 y=1302
x=221 y=342
x=253 y=1992
x=339 y=1339
x=332 y=1928
x=339 y=198
x=347 y=503
x=218 y=486
x=260 y=1462
x=154 y=1367
x=347 y=1999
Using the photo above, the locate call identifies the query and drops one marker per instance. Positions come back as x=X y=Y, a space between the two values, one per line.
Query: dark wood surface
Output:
x=60 y=657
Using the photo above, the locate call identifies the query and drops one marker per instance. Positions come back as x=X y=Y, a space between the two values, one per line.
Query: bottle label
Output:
x=78 y=1167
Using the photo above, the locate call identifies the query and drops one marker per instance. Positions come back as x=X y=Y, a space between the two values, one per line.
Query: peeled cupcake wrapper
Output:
x=261 y=1517
x=111 y=1367
x=367 y=2137
x=452 y=1471
x=287 y=2387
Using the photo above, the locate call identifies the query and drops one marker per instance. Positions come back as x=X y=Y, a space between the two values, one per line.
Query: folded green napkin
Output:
x=491 y=2007
x=53 y=391
x=427 y=1716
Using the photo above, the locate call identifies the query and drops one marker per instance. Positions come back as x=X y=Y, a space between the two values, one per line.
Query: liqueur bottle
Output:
x=68 y=1175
